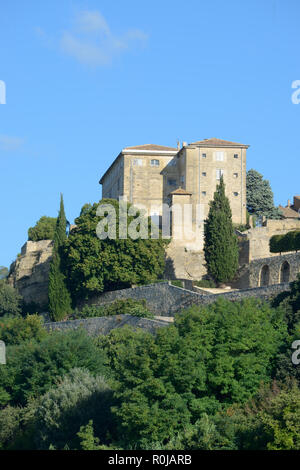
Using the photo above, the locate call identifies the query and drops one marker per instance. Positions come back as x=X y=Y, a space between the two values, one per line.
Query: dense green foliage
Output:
x=16 y=330
x=260 y=198
x=209 y=283
x=93 y=265
x=133 y=307
x=212 y=357
x=33 y=367
x=220 y=242
x=177 y=283
x=78 y=397
x=220 y=377
x=44 y=229
x=284 y=243
x=59 y=297
x=289 y=303
x=3 y=272
x=10 y=300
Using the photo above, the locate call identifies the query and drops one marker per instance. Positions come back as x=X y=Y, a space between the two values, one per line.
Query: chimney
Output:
x=296 y=203
x=289 y=203
x=178 y=144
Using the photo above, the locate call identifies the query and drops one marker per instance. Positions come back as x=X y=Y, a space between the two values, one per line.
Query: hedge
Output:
x=284 y=243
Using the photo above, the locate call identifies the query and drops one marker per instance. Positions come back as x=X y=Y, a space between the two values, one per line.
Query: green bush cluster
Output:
x=285 y=243
x=177 y=283
x=137 y=308
x=208 y=283
x=220 y=377
x=43 y=230
x=10 y=300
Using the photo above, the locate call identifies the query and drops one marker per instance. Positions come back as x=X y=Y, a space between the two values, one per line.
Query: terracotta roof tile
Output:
x=214 y=142
x=150 y=147
x=289 y=212
x=181 y=191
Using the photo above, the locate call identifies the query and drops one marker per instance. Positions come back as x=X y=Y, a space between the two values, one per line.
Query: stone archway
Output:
x=285 y=272
x=264 y=276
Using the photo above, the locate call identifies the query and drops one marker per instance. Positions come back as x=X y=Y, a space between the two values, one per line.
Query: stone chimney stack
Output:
x=178 y=145
x=289 y=203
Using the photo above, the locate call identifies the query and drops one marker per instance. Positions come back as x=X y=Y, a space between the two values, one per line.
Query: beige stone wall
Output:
x=259 y=237
x=201 y=177
x=148 y=184
x=182 y=263
x=30 y=272
x=113 y=183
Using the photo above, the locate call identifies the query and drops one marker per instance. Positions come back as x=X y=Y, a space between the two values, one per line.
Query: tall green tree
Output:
x=260 y=198
x=59 y=297
x=93 y=265
x=44 y=229
x=220 y=242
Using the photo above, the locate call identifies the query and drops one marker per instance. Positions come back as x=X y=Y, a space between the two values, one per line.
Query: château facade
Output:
x=154 y=175
x=159 y=177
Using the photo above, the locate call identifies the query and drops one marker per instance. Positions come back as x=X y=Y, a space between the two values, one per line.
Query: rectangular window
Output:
x=236 y=155
x=172 y=182
x=203 y=155
x=219 y=173
x=219 y=156
x=235 y=194
x=154 y=163
x=203 y=193
x=138 y=162
x=235 y=175
x=204 y=173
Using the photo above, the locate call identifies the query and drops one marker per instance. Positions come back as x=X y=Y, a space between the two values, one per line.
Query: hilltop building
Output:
x=291 y=211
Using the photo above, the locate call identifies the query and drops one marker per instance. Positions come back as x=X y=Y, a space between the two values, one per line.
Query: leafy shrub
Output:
x=33 y=367
x=43 y=230
x=210 y=358
x=133 y=307
x=17 y=330
x=3 y=272
x=77 y=398
x=285 y=243
x=208 y=283
x=177 y=283
x=10 y=300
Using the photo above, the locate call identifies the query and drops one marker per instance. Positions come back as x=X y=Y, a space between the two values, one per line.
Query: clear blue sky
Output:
x=86 y=78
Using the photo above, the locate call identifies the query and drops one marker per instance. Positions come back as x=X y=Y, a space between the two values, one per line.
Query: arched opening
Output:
x=265 y=276
x=285 y=272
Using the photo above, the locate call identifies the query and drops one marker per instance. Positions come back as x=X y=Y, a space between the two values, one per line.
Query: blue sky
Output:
x=86 y=78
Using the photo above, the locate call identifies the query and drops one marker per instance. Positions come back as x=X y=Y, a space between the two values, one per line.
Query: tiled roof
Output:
x=151 y=147
x=214 y=142
x=289 y=212
x=181 y=191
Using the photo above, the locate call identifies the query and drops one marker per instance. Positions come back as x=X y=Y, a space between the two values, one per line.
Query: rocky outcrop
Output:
x=29 y=274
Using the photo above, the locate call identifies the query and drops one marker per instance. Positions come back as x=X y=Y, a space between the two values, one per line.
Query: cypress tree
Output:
x=59 y=297
x=220 y=242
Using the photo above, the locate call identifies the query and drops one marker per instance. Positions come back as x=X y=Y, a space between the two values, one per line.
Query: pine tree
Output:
x=220 y=242
x=260 y=198
x=59 y=297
